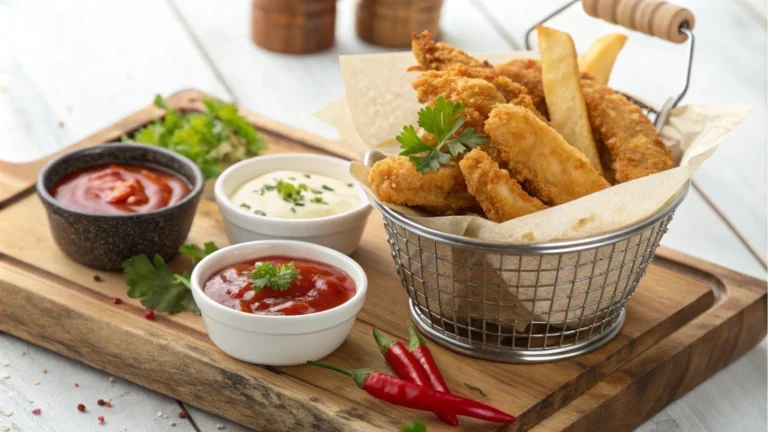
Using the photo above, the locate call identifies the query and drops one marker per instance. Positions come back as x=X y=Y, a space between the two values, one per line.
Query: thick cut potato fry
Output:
x=599 y=58
x=562 y=90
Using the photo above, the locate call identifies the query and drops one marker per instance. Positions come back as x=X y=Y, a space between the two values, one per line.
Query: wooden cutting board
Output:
x=687 y=320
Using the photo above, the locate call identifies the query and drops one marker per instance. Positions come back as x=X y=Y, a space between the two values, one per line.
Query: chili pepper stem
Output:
x=358 y=375
x=383 y=341
x=415 y=337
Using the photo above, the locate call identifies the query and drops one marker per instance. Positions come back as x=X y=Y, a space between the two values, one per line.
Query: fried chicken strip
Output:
x=395 y=180
x=635 y=145
x=539 y=158
x=501 y=197
x=433 y=55
x=527 y=72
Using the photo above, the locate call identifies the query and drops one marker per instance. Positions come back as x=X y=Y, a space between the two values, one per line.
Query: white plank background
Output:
x=88 y=63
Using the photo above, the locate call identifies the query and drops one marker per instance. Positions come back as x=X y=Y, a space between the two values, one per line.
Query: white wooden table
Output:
x=69 y=68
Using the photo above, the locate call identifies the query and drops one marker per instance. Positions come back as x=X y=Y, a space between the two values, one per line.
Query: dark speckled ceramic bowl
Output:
x=104 y=241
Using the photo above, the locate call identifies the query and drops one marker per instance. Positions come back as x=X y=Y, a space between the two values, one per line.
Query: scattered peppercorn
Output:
x=77 y=385
x=100 y=419
x=149 y=314
x=183 y=414
x=101 y=402
x=81 y=407
x=116 y=300
x=97 y=278
x=108 y=404
x=37 y=411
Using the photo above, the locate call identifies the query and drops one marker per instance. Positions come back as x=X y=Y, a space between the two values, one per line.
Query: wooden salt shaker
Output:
x=293 y=26
x=389 y=23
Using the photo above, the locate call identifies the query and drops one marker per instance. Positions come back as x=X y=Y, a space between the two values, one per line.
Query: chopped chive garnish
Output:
x=349 y=185
x=318 y=200
x=328 y=188
x=299 y=204
x=293 y=209
x=245 y=206
x=292 y=178
x=259 y=212
x=307 y=176
x=316 y=192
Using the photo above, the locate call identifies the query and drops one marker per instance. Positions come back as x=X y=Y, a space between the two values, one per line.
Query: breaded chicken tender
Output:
x=539 y=158
x=501 y=197
x=635 y=145
x=395 y=180
x=527 y=72
x=433 y=55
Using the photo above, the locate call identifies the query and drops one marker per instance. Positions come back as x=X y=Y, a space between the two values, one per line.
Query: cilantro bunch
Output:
x=442 y=121
x=214 y=139
x=157 y=286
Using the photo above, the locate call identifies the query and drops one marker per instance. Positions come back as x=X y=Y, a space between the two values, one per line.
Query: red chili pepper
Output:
x=405 y=365
x=419 y=349
x=403 y=393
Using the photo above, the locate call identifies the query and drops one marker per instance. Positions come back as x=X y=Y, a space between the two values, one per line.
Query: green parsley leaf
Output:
x=276 y=277
x=214 y=139
x=415 y=427
x=157 y=286
x=443 y=121
x=195 y=254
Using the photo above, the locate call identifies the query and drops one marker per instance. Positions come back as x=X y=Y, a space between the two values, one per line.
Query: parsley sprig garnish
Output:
x=276 y=277
x=442 y=121
x=159 y=288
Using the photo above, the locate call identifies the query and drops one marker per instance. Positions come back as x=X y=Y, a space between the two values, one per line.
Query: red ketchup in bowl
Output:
x=316 y=288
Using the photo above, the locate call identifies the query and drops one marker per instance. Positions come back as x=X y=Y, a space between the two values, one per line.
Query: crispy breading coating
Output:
x=539 y=158
x=473 y=93
x=501 y=197
x=636 y=147
x=527 y=72
x=395 y=180
x=433 y=55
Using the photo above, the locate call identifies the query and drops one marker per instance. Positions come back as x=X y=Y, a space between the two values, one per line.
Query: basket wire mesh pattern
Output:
x=520 y=307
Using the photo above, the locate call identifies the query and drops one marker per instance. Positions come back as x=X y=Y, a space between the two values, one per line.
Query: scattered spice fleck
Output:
x=7 y=413
x=37 y=411
x=23 y=353
x=37 y=383
x=219 y=426
x=111 y=379
x=101 y=402
x=183 y=414
x=149 y=314
x=108 y=404
x=81 y=407
x=97 y=278
x=45 y=371
x=172 y=423
x=4 y=376
x=100 y=419
x=61 y=123
x=77 y=385
x=117 y=300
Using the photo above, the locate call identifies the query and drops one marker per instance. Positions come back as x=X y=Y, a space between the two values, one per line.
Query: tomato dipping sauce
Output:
x=318 y=287
x=116 y=189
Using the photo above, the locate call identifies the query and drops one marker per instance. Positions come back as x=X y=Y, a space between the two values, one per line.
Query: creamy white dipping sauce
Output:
x=296 y=195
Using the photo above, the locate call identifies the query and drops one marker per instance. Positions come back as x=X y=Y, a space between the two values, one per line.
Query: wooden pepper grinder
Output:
x=389 y=23
x=293 y=26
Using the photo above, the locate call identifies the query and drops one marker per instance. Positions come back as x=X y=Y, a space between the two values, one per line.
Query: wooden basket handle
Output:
x=653 y=17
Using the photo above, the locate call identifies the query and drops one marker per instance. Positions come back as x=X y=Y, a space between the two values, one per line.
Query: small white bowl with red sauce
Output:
x=307 y=321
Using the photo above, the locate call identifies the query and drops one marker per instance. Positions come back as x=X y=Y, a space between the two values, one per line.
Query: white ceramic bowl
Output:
x=270 y=339
x=341 y=232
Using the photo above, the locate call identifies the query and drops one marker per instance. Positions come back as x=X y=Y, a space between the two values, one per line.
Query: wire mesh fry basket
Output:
x=528 y=302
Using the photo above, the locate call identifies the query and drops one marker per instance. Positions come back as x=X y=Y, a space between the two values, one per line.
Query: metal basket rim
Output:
x=541 y=248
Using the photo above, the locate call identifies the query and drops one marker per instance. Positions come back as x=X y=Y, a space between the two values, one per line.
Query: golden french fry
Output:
x=562 y=91
x=599 y=58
